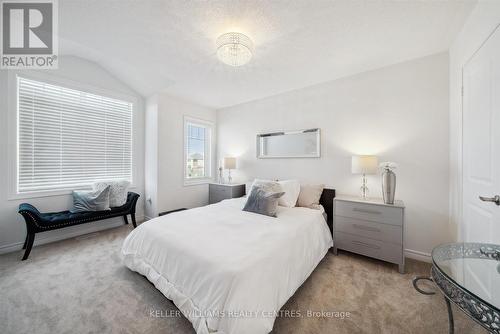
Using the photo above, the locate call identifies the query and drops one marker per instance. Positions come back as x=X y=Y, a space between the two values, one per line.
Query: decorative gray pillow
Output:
x=117 y=193
x=262 y=202
x=266 y=185
x=84 y=201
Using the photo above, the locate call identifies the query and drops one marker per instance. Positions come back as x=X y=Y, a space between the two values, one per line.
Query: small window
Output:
x=197 y=150
x=69 y=138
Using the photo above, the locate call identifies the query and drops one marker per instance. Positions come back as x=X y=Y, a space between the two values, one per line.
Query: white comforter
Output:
x=229 y=271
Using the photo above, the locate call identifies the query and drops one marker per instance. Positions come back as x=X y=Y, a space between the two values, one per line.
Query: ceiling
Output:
x=169 y=46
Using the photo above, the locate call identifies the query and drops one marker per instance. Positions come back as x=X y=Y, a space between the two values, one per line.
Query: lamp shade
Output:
x=364 y=164
x=229 y=163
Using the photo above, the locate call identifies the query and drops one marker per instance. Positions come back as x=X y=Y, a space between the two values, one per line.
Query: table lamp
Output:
x=364 y=164
x=229 y=163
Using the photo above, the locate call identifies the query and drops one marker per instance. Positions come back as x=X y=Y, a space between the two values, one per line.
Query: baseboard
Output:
x=68 y=232
x=417 y=255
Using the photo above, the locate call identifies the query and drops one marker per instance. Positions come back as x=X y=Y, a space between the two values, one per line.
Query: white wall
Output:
x=165 y=163
x=481 y=23
x=151 y=158
x=399 y=113
x=78 y=71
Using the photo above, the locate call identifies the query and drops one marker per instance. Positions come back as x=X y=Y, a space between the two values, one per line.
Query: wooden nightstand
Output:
x=369 y=227
x=218 y=192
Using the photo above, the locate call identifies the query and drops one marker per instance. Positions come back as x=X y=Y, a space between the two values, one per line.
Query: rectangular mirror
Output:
x=289 y=144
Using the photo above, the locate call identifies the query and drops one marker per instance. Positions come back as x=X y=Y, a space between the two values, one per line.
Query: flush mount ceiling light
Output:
x=234 y=48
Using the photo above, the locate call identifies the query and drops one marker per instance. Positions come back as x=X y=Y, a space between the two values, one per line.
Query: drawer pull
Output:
x=365 y=244
x=366 y=228
x=367 y=211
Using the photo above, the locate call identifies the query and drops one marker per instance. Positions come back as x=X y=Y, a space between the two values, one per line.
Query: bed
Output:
x=228 y=270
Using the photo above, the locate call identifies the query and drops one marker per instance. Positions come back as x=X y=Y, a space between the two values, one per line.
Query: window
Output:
x=197 y=150
x=69 y=138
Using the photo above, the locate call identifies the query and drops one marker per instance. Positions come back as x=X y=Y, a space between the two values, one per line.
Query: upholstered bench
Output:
x=41 y=222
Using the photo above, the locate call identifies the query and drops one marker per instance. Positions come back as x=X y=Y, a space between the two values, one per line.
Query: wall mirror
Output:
x=289 y=144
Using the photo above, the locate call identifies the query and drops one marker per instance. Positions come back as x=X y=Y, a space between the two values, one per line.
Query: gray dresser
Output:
x=370 y=227
x=218 y=192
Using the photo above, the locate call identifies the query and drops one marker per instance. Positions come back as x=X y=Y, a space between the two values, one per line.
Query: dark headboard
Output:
x=327 y=201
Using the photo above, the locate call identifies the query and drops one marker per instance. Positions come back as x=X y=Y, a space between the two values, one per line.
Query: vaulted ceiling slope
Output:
x=169 y=46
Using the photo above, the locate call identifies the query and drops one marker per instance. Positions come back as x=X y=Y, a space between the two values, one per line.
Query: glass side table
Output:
x=468 y=274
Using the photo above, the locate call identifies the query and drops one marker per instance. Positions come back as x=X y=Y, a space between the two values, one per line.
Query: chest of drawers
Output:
x=218 y=192
x=370 y=227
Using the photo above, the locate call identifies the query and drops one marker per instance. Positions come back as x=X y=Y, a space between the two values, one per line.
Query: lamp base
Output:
x=363 y=190
x=363 y=193
x=221 y=176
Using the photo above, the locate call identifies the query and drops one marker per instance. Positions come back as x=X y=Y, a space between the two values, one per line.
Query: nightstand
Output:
x=369 y=227
x=218 y=192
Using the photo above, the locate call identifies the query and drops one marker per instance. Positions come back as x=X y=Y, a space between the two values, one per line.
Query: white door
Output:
x=481 y=164
x=481 y=143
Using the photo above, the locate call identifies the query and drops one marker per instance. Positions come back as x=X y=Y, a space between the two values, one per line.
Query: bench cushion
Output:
x=57 y=218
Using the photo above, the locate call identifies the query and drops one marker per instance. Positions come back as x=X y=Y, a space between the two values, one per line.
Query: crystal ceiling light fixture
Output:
x=234 y=48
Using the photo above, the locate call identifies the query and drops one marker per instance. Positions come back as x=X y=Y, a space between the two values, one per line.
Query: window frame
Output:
x=13 y=135
x=208 y=125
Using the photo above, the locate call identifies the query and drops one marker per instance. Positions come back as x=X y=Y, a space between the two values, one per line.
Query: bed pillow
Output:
x=84 y=201
x=309 y=195
x=262 y=202
x=292 y=190
x=266 y=185
x=118 y=191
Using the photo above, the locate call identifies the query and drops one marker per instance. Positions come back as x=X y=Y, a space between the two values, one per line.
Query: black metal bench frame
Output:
x=36 y=222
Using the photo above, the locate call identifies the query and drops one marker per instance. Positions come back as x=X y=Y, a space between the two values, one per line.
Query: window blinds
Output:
x=69 y=138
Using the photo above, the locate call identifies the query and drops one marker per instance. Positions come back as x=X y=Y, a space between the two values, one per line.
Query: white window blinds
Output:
x=69 y=138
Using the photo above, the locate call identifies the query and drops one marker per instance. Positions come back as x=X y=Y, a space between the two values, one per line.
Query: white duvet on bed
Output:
x=229 y=271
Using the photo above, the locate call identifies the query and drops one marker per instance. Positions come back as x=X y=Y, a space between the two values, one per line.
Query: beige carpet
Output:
x=80 y=286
